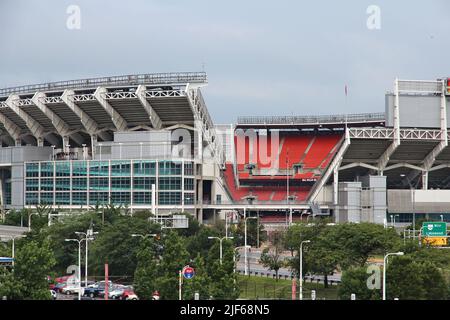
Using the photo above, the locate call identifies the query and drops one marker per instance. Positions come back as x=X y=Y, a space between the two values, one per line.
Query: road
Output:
x=6 y=232
x=255 y=266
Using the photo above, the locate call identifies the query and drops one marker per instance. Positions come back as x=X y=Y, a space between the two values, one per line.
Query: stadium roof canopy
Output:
x=98 y=106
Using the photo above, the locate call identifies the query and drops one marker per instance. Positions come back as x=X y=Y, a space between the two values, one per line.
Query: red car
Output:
x=128 y=294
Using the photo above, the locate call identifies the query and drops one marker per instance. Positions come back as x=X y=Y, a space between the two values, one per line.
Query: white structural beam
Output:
x=60 y=125
x=403 y=165
x=358 y=164
x=88 y=123
x=117 y=119
x=12 y=129
x=153 y=116
x=335 y=163
x=385 y=157
x=35 y=128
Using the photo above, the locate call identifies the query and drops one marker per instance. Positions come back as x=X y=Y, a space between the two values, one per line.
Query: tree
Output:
x=411 y=280
x=34 y=262
x=174 y=258
x=115 y=245
x=271 y=258
x=354 y=280
x=252 y=233
x=146 y=271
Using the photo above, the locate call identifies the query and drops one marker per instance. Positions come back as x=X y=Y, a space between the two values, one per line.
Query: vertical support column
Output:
x=154 y=200
x=425 y=180
x=40 y=142
x=65 y=141
x=182 y=186
x=335 y=185
x=93 y=145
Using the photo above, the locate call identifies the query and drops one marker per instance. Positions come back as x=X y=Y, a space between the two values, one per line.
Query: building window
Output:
x=46 y=169
x=62 y=184
x=120 y=198
x=143 y=183
x=99 y=168
x=169 y=168
x=32 y=170
x=170 y=183
x=144 y=168
x=101 y=184
x=79 y=198
x=120 y=168
x=62 y=168
x=189 y=184
x=98 y=198
x=169 y=198
x=62 y=198
x=189 y=198
x=218 y=198
x=79 y=184
x=79 y=168
x=47 y=198
x=142 y=198
x=47 y=185
x=189 y=169
x=31 y=198
x=32 y=185
x=120 y=183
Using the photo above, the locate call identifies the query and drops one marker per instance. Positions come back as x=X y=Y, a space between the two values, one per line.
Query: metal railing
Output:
x=135 y=79
x=343 y=118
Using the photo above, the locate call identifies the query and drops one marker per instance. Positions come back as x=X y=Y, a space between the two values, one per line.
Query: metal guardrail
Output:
x=360 y=117
x=151 y=78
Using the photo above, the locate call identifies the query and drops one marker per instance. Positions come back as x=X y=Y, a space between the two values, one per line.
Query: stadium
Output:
x=148 y=142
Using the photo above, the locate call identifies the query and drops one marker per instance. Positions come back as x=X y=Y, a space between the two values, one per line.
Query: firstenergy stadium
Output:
x=148 y=142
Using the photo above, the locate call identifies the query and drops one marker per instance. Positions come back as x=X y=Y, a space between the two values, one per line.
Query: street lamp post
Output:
x=394 y=218
x=442 y=218
x=220 y=240
x=88 y=235
x=384 y=269
x=234 y=263
x=13 y=238
x=301 y=269
x=245 y=243
x=29 y=219
x=79 y=264
x=144 y=236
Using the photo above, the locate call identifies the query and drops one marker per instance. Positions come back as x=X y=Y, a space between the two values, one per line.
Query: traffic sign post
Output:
x=434 y=233
x=434 y=229
x=188 y=272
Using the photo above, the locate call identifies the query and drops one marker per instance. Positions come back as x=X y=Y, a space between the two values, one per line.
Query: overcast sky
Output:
x=262 y=57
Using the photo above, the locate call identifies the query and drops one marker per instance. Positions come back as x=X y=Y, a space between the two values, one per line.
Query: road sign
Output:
x=188 y=272
x=435 y=241
x=434 y=229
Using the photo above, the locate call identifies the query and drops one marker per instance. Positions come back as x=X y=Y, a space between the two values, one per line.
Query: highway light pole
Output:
x=220 y=240
x=13 y=238
x=301 y=269
x=88 y=235
x=79 y=264
x=29 y=220
x=245 y=243
x=384 y=269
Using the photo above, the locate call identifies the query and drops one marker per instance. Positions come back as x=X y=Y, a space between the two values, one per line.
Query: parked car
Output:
x=128 y=294
x=71 y=289
x=59 y=286
x=97 y=289
x=115 y=291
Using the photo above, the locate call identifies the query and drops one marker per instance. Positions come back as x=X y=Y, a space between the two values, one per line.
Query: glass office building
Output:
x=119 y=182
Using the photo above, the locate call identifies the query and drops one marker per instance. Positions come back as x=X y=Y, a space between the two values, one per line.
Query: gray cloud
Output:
x=262 y=57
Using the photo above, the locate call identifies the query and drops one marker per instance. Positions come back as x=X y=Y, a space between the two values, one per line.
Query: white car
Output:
x=71 y=289
x=116 y=292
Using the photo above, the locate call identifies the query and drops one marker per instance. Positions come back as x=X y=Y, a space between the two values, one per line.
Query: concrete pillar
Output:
x=425 y=180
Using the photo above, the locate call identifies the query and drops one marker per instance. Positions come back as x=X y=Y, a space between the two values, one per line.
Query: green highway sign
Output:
x=434 y=229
